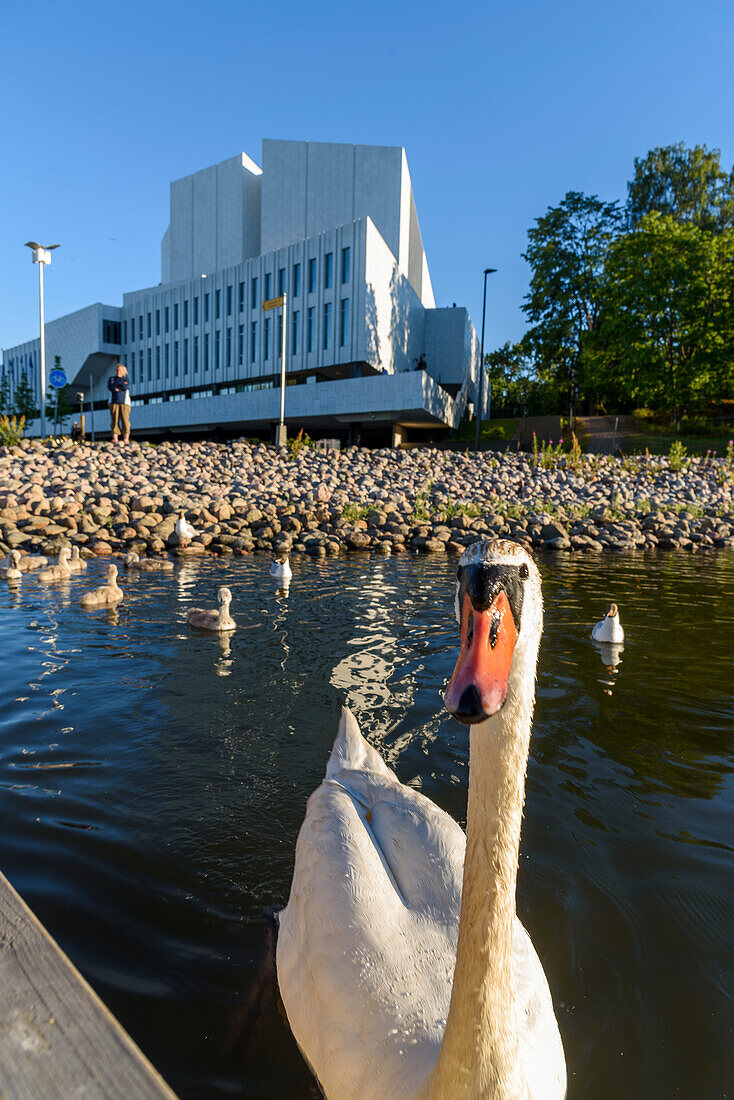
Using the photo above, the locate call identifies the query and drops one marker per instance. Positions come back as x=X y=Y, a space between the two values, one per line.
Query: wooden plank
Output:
x=57 y=1039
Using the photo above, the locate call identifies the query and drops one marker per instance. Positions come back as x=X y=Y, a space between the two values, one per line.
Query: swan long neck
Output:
x=479 y=1054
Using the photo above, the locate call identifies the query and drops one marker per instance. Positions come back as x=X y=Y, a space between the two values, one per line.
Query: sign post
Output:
x=56 y=379
x=273 y=303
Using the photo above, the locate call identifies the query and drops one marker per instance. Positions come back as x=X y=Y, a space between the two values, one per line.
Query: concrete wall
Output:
x=215 y=219
x=450 y=345
x=392 y=335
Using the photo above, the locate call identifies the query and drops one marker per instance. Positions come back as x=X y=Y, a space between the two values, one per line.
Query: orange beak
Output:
x=478 y=687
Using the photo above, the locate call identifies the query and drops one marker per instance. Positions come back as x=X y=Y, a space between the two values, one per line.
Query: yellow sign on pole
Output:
x=273 y=303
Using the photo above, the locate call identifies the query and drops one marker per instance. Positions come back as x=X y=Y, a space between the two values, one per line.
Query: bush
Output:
x=11 y=430
x=677 y=455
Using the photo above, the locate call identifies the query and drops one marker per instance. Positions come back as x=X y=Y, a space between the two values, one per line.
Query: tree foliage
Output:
x=6 y=402
x=689 y=185
x=25 y=398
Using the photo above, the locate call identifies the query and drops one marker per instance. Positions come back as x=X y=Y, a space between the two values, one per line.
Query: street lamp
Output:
x=42 y=257
x=480 y=402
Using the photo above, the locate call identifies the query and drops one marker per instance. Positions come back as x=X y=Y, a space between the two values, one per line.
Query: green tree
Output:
x=567 y=252
x=516 y=387
x=665 y=333
x=687 y=184
x=6 y=403
x=25 y=398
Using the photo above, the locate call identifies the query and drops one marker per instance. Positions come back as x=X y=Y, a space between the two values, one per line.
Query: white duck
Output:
x=218 y=619
x=184 y=530
x=399 y=981
x=147 y=565
x=58 y=572
x=281 y=569
x=609 y=629
x=12 y=570
x=77 y=563
x=106 y=594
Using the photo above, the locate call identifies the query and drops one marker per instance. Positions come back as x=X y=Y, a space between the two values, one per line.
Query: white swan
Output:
x=12 y=568
x=398 y=978
x=609 y=629
x=218 y=619
x=77 y=563
x=58 y=572
x=281 y=569
x=106 y=594
x=184 y=530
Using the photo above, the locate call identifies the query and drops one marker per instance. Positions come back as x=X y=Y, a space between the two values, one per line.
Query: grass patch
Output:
x=493 y=431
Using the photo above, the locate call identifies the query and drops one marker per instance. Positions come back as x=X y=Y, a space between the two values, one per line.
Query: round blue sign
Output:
x=57 y=378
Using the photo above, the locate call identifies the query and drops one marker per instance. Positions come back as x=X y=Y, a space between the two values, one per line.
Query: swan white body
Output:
x=106 y=594
x=184 y=530
x=392 y=988
x=609 y=629
x=281 y=569
x=12 y=570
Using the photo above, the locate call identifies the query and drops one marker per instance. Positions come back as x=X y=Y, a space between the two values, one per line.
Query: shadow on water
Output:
x=153 y=779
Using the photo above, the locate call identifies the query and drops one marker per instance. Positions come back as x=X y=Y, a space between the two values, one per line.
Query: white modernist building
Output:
x=335 y=228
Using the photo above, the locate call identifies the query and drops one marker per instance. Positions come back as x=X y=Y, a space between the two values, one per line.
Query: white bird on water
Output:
x=609 y=629
x=404 y=970
x=281 y=569
x=184 y=530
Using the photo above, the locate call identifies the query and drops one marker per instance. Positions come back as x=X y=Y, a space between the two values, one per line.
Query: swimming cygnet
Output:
x=147 y=565
x=609 y=629
x=106 y=594
x=77 y=563
x=12 y=572
x=214 y=620
x=27 y=562
x=58 y=572
x=281 y=568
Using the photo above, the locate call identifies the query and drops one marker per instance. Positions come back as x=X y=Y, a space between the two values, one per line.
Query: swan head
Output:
x=132 y=558
x=14 y=559
x=225 y=597
x=64 y=555
x=111 y=574
x=499 y=608
x=612 y=611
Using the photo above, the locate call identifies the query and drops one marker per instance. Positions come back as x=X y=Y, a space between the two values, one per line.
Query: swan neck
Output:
x=479 y=1054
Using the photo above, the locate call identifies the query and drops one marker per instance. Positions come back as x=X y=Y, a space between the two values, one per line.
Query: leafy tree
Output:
x=567 y=252
x=6 y=403
x=25 y=398
x=687 y=184
x=664 y=337
x=516 y=387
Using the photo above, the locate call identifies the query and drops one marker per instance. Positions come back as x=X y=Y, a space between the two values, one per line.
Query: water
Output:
x=152 y=783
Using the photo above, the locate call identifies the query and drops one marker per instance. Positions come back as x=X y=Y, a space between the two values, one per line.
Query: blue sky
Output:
x=501 y=106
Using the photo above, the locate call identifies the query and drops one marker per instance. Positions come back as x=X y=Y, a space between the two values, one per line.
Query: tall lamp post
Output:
x=42 y=257
x=480 y=402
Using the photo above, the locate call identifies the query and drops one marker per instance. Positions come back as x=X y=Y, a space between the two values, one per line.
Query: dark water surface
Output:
x=152 y=785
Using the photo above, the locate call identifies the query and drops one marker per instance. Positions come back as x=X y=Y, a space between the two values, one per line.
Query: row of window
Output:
x=155 y=319
x=142 y=362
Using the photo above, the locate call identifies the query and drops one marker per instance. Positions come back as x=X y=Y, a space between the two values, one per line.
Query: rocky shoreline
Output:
x=243 y=498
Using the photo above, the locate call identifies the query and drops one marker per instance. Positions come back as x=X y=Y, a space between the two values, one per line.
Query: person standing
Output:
x=119 y=388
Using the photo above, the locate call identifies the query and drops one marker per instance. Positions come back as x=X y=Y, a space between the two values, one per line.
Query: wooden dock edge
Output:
x=57 y=1038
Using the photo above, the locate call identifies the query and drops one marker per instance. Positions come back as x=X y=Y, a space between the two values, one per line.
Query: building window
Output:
x=157 y=322
x=186 y=356
x=206 y=309
x=166 y=359
x=196 y=311
x=311 y=276
x=124 y=332
x=295 y=332
x=175 y=356
x=148 y=326
x=229 y=347
x=343 y=322
x=310 y=328
x=280 y=335
x=327 y=326
x=132 y=366
x=253 y=341
x=281 y=281
x=158 y=361
x=196 y=350
x=132 y=329
x=140 y=328
x=150 y=364
x=242 y=297
x=175 y=316
x=346 y=264
x=111 y=332
x=241 y=346
x=217 y=343
x=254 y=293
x=166 y=314
x=296 y=280
x=218 y=305
x=229 y=300
x=266 y=338
x=266 y=289
x=186 y=313
x=328 y=269
x=206 y=351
